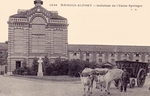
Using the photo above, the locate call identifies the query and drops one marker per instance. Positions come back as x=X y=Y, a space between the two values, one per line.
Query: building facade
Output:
x=108 y=53
x=38 y=32
x=3 y=57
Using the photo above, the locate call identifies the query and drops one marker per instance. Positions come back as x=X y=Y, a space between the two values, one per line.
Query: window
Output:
x=137 y=60
x=125 y=55
x=100 y=55
x=100 y=60
x=58 y=41
x=1 y=55
x=18 y=64
x=38 y=38
x=87 y=54
x=75 y=54
x=87 y=60
x=148 y=61
x=112 y=54
x=137 y=55
x=18 y=40
x=112 y=60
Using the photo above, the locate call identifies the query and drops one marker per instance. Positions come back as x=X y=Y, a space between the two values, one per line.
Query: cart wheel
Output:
x=141 y=76
x=132 y=83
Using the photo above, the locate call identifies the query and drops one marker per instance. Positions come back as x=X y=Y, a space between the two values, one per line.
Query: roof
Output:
x=127 y=62
x=56 y=16
x=108 y=48
x=107 y=64
x=104 y=48
x=23 y=14
x=19 y=15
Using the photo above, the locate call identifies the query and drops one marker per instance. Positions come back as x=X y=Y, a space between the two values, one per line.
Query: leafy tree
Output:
x=34 y=68
x=50 y=69
x=45 y=64
x=62 y=67
x=75 y=66
x=24 y=63
x=59 y=67
x=3 y=60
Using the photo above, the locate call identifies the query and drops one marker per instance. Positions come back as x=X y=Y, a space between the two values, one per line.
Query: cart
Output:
x=137 y=71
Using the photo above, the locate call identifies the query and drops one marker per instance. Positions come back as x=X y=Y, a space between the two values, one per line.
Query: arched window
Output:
x=38 y=35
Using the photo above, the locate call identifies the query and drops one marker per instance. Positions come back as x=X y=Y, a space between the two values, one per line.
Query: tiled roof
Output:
x=24 y=14
x=3 y=46
x=98 y=48
x=108 y=48
x=58 y=17
x=19 y=15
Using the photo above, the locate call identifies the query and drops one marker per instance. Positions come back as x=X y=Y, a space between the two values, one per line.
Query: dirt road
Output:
x=12 y=86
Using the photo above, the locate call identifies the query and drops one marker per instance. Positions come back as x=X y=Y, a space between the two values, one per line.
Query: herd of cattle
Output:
x=103 y=78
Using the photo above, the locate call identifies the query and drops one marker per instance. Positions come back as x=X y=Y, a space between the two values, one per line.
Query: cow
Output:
x=100 y=82
x=87 y=78
x=106 y=79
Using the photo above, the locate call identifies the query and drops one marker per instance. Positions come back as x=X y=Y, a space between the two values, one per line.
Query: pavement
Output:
x=14 y=86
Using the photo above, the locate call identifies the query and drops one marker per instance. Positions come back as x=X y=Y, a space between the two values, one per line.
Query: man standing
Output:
x=125 y=79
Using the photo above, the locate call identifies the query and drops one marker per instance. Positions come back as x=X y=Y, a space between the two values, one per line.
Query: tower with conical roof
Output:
x=36 y=32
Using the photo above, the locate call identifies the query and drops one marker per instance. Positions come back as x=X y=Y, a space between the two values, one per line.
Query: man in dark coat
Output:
x=125 y=79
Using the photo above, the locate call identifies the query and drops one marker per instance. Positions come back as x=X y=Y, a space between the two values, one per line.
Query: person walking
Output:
x=125 y=79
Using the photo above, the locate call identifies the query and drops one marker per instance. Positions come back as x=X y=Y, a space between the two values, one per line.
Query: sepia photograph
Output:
x=75 y=48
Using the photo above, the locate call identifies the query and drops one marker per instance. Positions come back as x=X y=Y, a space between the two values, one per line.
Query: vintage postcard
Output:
x=75 y=48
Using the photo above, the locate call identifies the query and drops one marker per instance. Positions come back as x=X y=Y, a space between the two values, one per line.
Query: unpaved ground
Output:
x=12 y=86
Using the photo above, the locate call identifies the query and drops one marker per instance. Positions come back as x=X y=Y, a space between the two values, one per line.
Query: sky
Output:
x=103 y=22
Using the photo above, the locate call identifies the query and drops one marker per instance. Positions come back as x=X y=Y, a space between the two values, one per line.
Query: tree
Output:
x=75 y=66
x=2 y=62
x=45 y=64
x=61 y=67
x=24 y=63
x=34 y=68
x=3 y=59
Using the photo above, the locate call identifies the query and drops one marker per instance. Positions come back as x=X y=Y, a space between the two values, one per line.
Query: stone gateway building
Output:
x=38 y=32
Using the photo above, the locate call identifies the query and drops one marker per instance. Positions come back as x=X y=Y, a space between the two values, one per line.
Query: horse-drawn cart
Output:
x=137 y=70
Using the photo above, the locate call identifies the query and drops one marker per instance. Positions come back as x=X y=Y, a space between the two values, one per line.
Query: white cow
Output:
x=100 y=82
x=110 y=76
x=87 y=78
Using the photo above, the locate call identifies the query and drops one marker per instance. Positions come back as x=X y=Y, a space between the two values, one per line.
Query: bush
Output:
x=2 y=72
x=76 y=66
x=34 y=68
x=49 y=69
x=61 y=67
x=22 y=71
x=15 y=71
x=54 y=73
x=71 y=68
